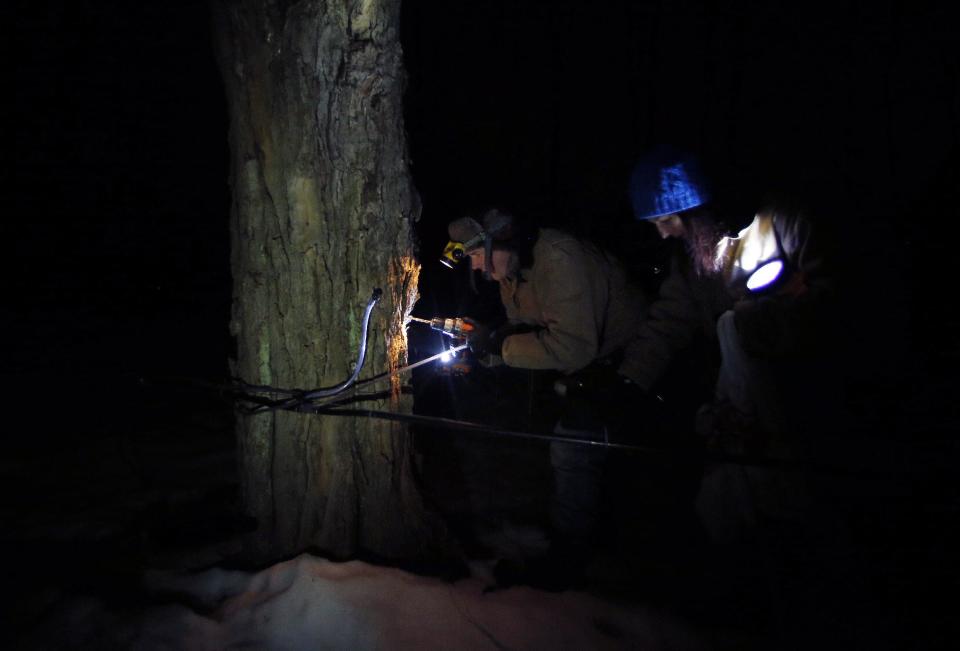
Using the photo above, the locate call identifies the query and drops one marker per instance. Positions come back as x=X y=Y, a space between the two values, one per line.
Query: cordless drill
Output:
x=454 y=327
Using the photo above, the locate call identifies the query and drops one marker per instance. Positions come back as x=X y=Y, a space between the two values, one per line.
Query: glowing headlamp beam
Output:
x=765 y=275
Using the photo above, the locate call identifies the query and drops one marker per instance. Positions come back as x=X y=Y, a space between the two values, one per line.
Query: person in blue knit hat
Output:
x=761 y=297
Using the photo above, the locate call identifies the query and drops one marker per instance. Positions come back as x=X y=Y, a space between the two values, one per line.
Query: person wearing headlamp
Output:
x=573 y=299
x=761 y=296
x=570 y=308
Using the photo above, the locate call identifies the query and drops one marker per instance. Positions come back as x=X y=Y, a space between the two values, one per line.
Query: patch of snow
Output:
x=311 y=603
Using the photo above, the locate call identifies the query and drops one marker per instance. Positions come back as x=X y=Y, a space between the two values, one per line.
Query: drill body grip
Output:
x=454 y=327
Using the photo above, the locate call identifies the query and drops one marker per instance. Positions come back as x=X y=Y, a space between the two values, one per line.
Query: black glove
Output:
x=623 y=406
x=483 y=341
x=595 y=383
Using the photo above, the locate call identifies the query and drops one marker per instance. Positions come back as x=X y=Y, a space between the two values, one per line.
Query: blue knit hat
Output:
x=666 y=181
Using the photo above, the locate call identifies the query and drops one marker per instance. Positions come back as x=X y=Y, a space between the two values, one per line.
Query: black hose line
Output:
x=299 y=397
x=678 y=455
x=361 y=354
x=303 y=401
x=337 y=407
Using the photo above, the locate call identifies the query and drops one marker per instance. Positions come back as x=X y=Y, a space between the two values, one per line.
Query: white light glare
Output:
x=446 y=357
x=765 y=275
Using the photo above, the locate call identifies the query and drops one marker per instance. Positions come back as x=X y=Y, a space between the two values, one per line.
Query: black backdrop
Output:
x=116 y=221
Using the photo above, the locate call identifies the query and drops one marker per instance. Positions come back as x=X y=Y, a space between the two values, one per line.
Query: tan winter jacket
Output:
x=579 y=298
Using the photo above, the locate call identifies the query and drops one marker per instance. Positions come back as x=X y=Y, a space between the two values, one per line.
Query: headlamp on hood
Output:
x=754 y=260
x=454 y=252
x=765 y=276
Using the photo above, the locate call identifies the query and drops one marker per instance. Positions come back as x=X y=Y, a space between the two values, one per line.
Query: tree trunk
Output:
x=322 y=213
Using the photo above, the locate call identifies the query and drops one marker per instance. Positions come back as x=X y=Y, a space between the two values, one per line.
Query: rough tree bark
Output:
x=322 y=210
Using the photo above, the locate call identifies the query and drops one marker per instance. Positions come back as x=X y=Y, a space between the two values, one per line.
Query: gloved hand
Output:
x=482 y=340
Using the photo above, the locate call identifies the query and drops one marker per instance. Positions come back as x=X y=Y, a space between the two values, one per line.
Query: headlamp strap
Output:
x=475 y=241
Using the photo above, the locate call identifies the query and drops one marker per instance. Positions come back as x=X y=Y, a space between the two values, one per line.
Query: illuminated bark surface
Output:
x=322 y=212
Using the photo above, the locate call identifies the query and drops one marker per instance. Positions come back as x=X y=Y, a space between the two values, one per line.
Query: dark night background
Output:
x=116 y=237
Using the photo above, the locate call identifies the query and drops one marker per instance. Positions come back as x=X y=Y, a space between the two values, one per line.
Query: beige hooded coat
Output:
x=580 y=300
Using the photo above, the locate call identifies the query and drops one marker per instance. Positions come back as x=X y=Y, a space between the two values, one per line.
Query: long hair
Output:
x=702 y=233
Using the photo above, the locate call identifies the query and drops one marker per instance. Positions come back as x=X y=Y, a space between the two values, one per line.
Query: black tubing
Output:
x=676 y=455
x=299 y=397
x=361 y=354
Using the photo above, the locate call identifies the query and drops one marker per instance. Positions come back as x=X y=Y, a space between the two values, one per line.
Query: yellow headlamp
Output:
x=454 y=252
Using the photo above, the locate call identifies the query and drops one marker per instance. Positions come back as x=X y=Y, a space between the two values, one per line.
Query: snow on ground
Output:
x=311 y=603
